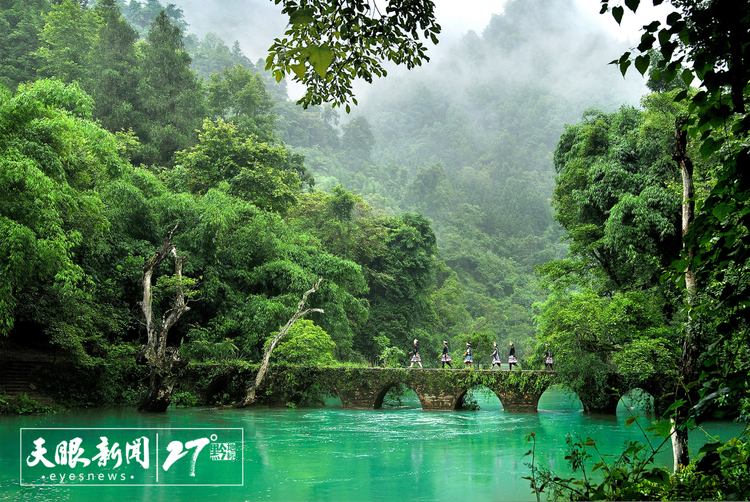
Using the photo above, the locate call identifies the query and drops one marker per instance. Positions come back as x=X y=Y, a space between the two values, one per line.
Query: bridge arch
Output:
x=215 y=389
x=485 y=391
x=316 y=392
x=380 y=396
x=560 y=399
x=637 y=398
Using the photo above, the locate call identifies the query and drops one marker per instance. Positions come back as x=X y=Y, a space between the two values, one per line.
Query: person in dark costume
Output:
x=415 y=358
x=512 y=361
x=548 y=361
x=468 y=359
x=446 y=358
x=496 y=358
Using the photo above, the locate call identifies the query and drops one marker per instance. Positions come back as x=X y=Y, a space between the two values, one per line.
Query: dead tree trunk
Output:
x=164 y=362
x=250 y=394
x=686 y=369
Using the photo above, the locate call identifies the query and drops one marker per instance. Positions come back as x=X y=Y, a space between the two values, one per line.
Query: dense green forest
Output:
x=501 y=193
x=426 y=214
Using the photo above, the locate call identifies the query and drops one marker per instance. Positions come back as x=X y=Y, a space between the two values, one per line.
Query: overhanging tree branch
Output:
x=301 y=311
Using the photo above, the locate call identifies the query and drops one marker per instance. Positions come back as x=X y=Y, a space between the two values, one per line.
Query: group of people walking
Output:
x=445 y=358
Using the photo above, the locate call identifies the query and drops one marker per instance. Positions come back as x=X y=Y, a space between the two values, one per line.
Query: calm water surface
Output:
x=319 y=454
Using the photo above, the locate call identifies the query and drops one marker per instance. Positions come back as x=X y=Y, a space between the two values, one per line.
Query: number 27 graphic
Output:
x=175 y=452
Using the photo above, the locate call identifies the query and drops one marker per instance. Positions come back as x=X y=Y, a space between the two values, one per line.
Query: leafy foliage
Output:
x=702 y=42
x=239 y=95
x=53 y=158
x=22 y=404
x=305 y=344
x=721 y=474
x=617 y=196
x=270 y=177
x=329 y=45
x=20 y=22
x=170 y=95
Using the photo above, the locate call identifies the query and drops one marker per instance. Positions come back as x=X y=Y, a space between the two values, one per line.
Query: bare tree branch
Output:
x=301 y=311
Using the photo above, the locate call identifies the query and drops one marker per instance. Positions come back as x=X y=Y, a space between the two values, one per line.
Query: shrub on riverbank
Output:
x=722 y=472
x=22 y=404
x=116 y=379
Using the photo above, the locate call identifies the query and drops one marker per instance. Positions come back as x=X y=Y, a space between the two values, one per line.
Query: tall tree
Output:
x=621 y=223
x=708 y=40
x=164 y=363
x=113 y=69
x=20 y=24
x=618 y=196
x=211 y=55
x=141 y=14
x=238 y=95
x=170 y=98
x=68 y=36
x=301 y=311
x=268 y=176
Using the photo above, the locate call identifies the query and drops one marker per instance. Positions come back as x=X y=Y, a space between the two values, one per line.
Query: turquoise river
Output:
x=313 y=453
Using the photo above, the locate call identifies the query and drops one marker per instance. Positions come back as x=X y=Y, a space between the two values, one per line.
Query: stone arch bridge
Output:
x=437 y=389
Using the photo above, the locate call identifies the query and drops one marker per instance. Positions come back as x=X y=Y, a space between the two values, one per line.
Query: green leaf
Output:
x=664 y=36
x=673 y=18
x=299 y=70
x=708 y=148
x=301 y=16
x=680 y=96
x=617 y=13
x=632 y=4
x=675 y=405
x=709 y=447
x=670 y=72
x=630 y=421
x=647 y=42
x=663 y=428
x=722 y=210
x=687 y=76
x=320 y=58
x=624 y=67
x=641 y=63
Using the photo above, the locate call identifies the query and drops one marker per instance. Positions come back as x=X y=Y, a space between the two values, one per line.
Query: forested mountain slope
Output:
x=457 y=155
x=468 y=141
